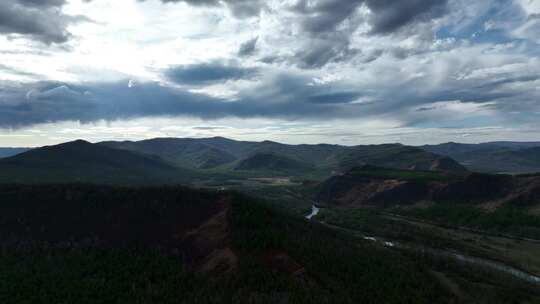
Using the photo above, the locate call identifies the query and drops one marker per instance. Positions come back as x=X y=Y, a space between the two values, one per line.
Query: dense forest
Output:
x=55 y=250
x=82 y=243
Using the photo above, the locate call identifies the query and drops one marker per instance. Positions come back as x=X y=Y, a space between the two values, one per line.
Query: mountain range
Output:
x=509 y=157
x=176 y=160
x=179 y=160
x=227 y=154
x=223 y=153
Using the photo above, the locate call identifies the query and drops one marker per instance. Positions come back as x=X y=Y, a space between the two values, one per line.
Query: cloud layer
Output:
x=419 y=64
x=207 y=73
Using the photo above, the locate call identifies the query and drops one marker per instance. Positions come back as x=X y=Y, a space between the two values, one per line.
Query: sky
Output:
x=296 y=71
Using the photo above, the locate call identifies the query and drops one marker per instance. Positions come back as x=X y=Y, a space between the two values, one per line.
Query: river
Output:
x=465 y=259
x=314 y=211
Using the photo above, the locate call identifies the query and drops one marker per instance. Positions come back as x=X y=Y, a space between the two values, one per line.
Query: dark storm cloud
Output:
x=390 y=15
x=207 y=73
x=387 y=15
x=325 y=15
x=320 y=52
x=322 y=16
x=282 y=97
x=248 y=48
x=42 y=20
x=330 y=24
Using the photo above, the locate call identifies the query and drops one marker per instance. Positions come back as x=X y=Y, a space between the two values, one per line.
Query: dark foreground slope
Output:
x=86 y=162
x=87 y=244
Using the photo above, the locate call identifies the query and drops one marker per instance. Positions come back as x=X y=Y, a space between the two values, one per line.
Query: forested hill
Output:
x=79 y=243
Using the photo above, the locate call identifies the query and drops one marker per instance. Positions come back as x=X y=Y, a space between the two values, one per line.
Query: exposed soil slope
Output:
x=378 y=187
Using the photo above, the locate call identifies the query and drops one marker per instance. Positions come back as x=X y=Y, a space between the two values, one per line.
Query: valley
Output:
x=269 y=152
x=265 y=224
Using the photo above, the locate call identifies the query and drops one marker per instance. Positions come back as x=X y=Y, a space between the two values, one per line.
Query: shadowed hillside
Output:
x=503 y=203
x=83 y=161
x=370 y=185
x=78 y=243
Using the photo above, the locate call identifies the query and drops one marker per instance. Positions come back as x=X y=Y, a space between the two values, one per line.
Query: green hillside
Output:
x=187 y=153
x=226 y=155
x=266 y=162
x=504 y=203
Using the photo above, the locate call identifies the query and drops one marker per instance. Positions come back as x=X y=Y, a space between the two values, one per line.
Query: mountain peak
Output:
x=79 y=141
x=73 y=144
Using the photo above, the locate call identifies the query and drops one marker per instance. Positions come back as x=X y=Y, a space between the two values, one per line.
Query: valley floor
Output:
x=460 y=259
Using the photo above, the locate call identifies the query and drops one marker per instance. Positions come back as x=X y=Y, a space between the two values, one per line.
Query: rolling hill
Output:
x=494 y=202
x=267 y=162
x=381 y=187
x=228 y=155
x=511 y=157
x=86 y=162
x=393 y=156
x=185 y=152
x=206 y=160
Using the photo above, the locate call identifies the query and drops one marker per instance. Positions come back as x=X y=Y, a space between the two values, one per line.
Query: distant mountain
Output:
x=394 y=156
x=273 y=163
x=83 y=161
x=8 y=152
x=184 y=152
x=230 y=155
x=189 y=160
x=511 y=157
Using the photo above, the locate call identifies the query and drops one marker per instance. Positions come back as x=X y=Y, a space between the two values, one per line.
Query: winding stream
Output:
x=314 y=211
x=465 y=259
